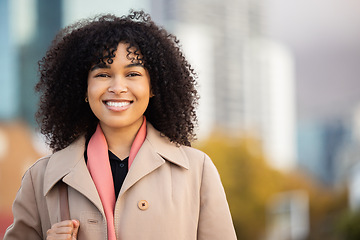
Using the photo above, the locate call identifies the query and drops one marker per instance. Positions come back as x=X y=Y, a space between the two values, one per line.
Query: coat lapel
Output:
x=154 y=152
x=144 y=163
x=69 y=165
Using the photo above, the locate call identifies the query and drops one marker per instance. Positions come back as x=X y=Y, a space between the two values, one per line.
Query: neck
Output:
x=120 y=140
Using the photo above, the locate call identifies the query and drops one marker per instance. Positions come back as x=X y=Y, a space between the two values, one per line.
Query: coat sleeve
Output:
x=215 y=221
x=27 y=224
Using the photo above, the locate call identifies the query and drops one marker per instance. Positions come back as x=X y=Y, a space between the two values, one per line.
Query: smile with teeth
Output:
x=117 y=104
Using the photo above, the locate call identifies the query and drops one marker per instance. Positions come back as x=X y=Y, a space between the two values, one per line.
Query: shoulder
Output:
x=52 y=167
x=200 y=162
x=183 y=155
x=38 y=168
x=195 y=154
x=33 y=178
x=197 y=157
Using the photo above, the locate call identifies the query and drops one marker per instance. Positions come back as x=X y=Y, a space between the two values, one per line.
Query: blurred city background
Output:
x=279 y=112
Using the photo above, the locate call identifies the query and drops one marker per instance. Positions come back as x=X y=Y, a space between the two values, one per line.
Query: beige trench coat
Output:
x=181 y=186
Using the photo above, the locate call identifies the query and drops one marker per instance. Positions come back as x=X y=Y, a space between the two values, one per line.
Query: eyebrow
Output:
x=99 y=65
x=107 y=66
x=134 y=65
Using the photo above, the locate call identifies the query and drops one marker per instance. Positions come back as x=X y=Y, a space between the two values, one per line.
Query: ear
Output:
x=151 y=93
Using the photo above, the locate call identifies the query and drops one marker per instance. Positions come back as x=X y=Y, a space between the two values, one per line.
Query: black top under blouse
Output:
x=119 y=169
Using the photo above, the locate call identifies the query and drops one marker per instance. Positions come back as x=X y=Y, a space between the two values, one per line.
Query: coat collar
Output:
x=69 y=164
x=166 y=149
x=155 y=150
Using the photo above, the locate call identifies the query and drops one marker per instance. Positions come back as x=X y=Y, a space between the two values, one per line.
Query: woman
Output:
x=118 y=109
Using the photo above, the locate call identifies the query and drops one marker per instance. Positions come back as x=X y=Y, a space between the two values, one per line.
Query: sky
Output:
x=324 y=36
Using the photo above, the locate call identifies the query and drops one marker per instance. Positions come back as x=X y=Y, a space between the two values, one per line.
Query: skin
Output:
x=64 y=230
x=126 y=82
x=118 y=95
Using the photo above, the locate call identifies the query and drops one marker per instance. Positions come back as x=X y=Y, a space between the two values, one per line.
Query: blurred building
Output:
x=29 y=27
x=9 y=97
x=270 y=100
x=288 y=216
x=319 y=145
x=48 y=16
x=246 y=83
x=230 y=26
x=347 y=161
x=353 y=186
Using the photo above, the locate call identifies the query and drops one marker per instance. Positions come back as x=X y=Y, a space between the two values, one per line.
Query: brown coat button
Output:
x=143 y=205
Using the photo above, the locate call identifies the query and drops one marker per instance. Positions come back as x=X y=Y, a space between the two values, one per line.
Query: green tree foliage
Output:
x=249 y=184
x=349 y=225
x=247 y=180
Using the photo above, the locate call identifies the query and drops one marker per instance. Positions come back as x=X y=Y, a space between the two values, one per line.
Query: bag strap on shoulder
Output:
x=64 y=201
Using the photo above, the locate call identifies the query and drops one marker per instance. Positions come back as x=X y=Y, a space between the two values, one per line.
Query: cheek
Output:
x=93 y=90
x=93 y=95
x=146 y=94
x=146 y=88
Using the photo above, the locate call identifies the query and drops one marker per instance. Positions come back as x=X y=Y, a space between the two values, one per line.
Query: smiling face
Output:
x=119 y=93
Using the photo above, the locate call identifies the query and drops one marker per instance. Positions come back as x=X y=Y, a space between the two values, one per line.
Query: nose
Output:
x=118 y=85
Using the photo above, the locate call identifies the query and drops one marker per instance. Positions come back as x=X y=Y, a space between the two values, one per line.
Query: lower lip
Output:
x=117 y=109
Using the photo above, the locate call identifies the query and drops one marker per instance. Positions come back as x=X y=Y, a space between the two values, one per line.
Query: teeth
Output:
x=117 y=104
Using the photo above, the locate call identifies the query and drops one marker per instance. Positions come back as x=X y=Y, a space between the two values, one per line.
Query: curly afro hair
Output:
x=63 y=115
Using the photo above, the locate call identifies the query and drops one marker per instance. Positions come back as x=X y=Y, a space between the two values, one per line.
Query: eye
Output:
x=134 y=74
x=102 y=75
